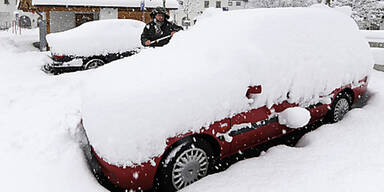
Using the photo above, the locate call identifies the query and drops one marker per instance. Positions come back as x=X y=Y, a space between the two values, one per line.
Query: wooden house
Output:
x=62 y=15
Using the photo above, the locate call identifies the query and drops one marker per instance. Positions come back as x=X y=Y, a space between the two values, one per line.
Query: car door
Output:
x=257 y=125
x=250 y=128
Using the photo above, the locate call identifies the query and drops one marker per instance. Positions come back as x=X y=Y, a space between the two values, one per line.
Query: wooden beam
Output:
x=74 y=9
x=48 y=19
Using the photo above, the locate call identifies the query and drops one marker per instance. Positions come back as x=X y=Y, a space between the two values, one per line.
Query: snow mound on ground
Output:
x=294 y=117
x=37 y=149
x=98 y=38
x=132 y=106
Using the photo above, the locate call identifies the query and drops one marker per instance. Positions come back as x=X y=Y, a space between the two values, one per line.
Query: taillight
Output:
x=57 y=57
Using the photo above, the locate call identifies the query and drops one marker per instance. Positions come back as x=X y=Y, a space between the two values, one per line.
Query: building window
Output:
x=218 y=4
x=6 y=2
x=230 y=3
x=206 y=4
x=238 y=3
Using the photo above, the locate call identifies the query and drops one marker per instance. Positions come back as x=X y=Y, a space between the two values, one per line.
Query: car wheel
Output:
x=339 y=107
x=93 y=64
x=185 y=164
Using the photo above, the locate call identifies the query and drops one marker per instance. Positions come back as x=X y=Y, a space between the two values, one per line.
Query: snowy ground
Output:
x=39 y=151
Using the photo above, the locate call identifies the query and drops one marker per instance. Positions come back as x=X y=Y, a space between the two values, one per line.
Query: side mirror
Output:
x=294 y=117
x=253 y=90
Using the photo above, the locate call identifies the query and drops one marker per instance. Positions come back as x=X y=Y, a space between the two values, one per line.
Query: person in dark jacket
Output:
x=158 y=28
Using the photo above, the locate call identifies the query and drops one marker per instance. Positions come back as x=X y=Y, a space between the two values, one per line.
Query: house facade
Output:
x=190 y=9
x=65 y=15
x=236 y=4
x=10 y=15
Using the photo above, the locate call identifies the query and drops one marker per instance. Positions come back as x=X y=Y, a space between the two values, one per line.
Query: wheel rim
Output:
x=93 y=64
x=189 y=167
x=341 y=108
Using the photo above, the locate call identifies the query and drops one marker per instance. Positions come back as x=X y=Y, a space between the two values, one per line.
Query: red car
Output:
x=191 y=156
x=226 y=97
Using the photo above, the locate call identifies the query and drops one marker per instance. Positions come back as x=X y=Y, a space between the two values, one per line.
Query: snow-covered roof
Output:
x=173 y=4
x=374 y=35
x=131 y=106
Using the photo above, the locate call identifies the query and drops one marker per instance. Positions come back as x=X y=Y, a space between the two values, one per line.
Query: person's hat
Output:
x=159 y=10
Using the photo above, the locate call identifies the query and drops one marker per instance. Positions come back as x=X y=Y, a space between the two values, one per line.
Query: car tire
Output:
x=340 y=106
x=188 y=162
x=93 y=64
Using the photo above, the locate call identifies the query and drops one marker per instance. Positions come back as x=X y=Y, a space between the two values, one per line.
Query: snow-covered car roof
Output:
x=173 y=4
x=131 y=107
x=98 y=38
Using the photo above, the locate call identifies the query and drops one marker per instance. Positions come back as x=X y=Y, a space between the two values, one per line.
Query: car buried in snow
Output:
x=93 y=44
x=165 y=121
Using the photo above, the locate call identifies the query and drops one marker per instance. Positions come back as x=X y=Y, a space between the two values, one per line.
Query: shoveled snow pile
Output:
x=98 y=38
x=132 y=106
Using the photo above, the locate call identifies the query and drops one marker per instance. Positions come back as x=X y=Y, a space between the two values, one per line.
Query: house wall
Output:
x=8 y=13
x=198 y=8
x=61 y=21
x=108 y=13
x=236 y=4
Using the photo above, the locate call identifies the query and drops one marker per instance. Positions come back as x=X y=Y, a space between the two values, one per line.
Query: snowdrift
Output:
x=98 y=38
x=131 y=107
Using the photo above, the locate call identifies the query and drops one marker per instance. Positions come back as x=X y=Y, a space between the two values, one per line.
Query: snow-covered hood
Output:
x=131 y=107
x=98 y=38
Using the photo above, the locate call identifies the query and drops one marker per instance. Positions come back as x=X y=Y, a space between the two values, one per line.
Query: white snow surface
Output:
x=133 y=105
x=108 y=3
x=98 y=38
x=374 y=35
x=294 y=117
x=38 y=116
x=378 y=55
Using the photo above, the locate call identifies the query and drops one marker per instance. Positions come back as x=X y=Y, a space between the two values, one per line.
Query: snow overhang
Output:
x=170 y=4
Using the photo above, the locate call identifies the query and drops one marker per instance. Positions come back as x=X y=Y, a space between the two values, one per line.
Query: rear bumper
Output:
x=61 y=67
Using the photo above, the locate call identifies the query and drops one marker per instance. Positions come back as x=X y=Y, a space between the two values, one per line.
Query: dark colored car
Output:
x=65 y=63
x=93 y=44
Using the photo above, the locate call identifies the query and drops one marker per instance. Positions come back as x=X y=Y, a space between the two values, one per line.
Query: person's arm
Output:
x=175 y=28
x=145 y=40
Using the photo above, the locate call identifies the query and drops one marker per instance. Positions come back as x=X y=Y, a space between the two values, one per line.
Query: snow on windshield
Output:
x=133 y=105
x=98 y=38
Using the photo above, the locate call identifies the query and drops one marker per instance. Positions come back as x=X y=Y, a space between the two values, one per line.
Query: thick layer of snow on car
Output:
x=345 y=156
x=38 y=114
x=108 y=3
x=203 y=74
x=98 y=38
